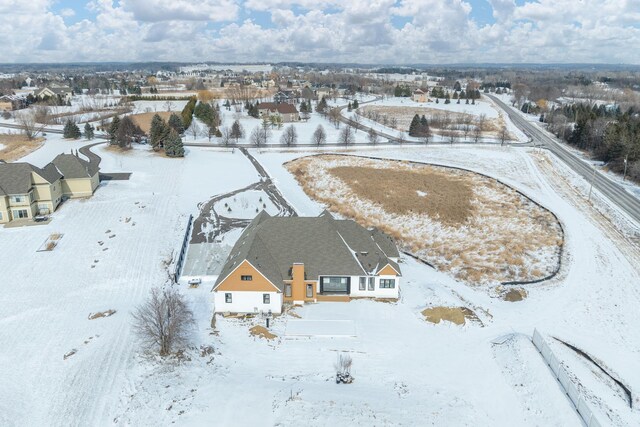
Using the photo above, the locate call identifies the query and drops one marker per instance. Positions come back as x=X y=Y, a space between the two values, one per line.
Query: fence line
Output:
x=563 y=378
x=183 y=251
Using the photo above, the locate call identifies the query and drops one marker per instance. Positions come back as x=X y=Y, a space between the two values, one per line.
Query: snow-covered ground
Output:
x=407 y=371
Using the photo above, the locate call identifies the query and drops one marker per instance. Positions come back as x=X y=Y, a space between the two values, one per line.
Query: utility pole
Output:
x=624 y=176
x=591 y=186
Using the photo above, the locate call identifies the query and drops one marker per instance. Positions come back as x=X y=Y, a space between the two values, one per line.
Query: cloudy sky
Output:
x=365 y=31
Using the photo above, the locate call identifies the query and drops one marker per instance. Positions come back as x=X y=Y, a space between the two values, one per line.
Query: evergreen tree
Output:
x=176 y=123
x=457 y=87
x=174 y=146
x=187 y=112
x=414 y=126
x=455 y=95
x=113 y=130
x=355 y=104
x=322 y=106
x=88 y=131
x=349 y=107
x=237 y=131
x=159 y=132
x=69 y=131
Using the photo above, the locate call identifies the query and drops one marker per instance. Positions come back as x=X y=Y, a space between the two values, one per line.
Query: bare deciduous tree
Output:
x=356 y=120
x=372 y=137
x=259 y=136
x=30 y=126
x=195 y=129
x=226 y=136
x=164 y=321
x=346 y=136
x=319 y=136
x=289 y=136
x=503 y=135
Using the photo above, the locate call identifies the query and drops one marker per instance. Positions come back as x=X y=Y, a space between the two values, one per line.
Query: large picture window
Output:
x=335 y=285
x=387 y=283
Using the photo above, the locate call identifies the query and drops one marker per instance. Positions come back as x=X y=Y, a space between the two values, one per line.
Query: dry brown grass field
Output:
x=16 y=146
x=144 y=119
x=404 y=115
x=472 y=226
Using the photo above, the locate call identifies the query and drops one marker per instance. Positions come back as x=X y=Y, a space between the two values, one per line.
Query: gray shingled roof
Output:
x=71 y=166
x=323 y=244
x=15 y=178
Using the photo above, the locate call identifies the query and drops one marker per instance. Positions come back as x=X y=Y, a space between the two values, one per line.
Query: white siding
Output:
x=377 y=292
x=247 y=302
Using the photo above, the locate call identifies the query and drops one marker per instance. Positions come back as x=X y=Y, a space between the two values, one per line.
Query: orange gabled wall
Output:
x=387 y=271
x=258 y=284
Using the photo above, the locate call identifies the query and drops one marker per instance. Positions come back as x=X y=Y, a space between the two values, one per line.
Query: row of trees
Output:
x=607 y=133
x=72 y=131
x=123 y=131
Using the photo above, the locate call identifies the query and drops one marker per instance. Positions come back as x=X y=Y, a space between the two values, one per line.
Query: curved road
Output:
x=613 y=191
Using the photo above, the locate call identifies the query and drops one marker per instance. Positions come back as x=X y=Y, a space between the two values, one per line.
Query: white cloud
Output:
x=323 y=30
x=182 y=10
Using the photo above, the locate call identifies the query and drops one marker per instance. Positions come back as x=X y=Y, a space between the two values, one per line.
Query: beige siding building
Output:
x=27 y=191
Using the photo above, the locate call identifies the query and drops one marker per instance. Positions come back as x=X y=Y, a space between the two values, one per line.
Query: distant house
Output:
x=282 y=97
x=420 y=96
x=64 y=93
x=27 y=191
x=12 y=102
x=287 y=112
x=296 y=260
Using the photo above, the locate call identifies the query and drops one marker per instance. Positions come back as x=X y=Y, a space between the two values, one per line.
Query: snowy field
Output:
x=407 y=371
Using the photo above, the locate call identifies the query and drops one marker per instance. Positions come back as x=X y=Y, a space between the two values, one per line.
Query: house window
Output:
x=363 y=284
x=387 y=283
x=17 y=199
x=246 y=278
x=20 y=213
x=227 y=298
x=266 y=299
x=309 y=290
x=0 y=216
x=335 y=285
x=287 y=290
x=372 y=283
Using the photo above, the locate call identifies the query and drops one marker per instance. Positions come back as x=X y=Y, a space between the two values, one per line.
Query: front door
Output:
x=20 y=213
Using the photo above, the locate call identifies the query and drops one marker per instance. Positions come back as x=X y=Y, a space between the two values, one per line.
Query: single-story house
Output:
x=63 y=92
x=420 y=96
x=288 y=112
x=299 y=260
x=27 y=191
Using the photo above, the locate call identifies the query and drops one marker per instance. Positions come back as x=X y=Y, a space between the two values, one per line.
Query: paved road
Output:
x=613 y=191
